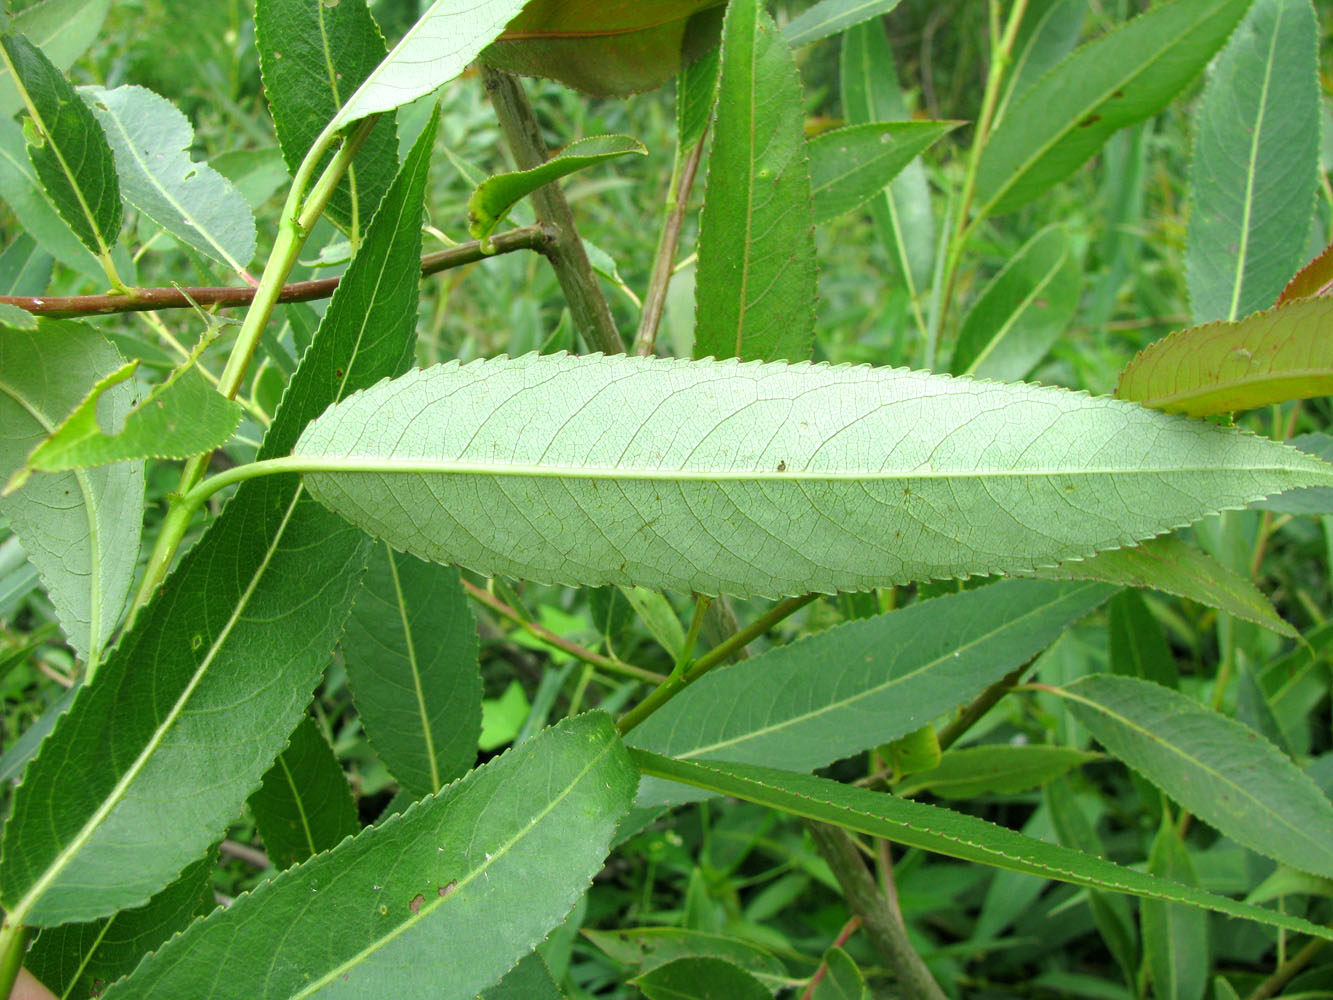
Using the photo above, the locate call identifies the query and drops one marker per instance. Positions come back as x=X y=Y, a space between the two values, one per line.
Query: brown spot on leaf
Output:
x=782 y=466
x=1090 y=120
x=417 y=902
x=446 y=890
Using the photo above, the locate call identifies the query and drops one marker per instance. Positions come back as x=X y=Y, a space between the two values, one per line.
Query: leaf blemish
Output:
x=446 y=890
x=417 y=902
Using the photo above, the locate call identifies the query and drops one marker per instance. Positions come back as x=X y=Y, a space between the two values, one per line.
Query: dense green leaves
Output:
x=714 y=476
x=1255 y=163
x=438 y=901
x=756 y=277
x=851 y=165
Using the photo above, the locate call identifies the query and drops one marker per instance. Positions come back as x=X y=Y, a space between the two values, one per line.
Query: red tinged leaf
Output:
x=1313 y=280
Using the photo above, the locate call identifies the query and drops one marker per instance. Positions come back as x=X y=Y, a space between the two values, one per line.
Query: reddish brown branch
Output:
x=150 y=299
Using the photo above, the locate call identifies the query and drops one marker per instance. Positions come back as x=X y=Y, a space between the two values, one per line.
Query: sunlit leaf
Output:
x=828 y=17
x=849 y=166
x=62 y=29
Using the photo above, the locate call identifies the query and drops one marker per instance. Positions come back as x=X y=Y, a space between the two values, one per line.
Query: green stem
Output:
x=701 y=604
x=13 y=945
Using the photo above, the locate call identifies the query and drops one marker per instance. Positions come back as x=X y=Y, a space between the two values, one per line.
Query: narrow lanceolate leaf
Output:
x=151 y=141
x=411 y=650
x=700 y=979
x=756 y=276
x=81 y=960
x=1023 y=311
x=62 y=29
x=313 y=56
x=992 y=770
x=1127 y=75
x=495 y=196
x=447 y=37
x=1175 y=567
x=1269 y=357
x=438 y=901
x=1175 y=938
x=696 y=94
x=715 y=476
x=1255 y=164
x=863 y=683
x=1223 y=772
x=240 y=632
x=1049 y=32
x=304 y=805
x=1312 y=501
x=1137 y=642
x=851 y=165
x=828 y=17
x=81 y=528
x=67 y=147
x=955 y=835
x=1315 y=278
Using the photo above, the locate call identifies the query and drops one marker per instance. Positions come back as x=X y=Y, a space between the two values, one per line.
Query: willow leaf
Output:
x=992 y=770
x=955 y=835
x=849 y=166
x=1175 y=938
x=700 y=979
x=828 y=17
x=62 y=29
x=765 y=478
x=1315 y=278
x=437 y=901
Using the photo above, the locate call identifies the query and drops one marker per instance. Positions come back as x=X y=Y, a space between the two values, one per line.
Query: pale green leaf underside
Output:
x=956 y=835
x=765 y=478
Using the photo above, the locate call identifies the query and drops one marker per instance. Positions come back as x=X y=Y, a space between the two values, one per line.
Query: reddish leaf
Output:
x=1314 y=279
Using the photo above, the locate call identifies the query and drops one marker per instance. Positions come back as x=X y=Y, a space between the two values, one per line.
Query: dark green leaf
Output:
x=529 y=980
x=1049 y=32
x=696 y=93
x=849 y=166
x=62 y=29
x=648 y=947
x=844 y=980
x=994 y=770
x=1138 y=644
x=701 y=979
x=1175 y=938
x=25 y=268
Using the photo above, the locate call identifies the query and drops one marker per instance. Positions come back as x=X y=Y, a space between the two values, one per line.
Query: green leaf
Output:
x=529 y=980
x=237 y=637
x=696 y=94
x=495 y=196
x=1255 y=163
x=411 y=650
x=1137 y=642
x=1269 y=357
x=756 y=276
x=437 y=901
x=994 y=770
x=659 y=618
x=68 y=149
x=1175 y=567
x=1310 y=501
x=1049 y=32
x=1175 y=938
x=713 y=476
x=649 y=947
x=304 y=805
x=80 y=528
x=151 y=142
x=849 y=166
x=701 y=979
x=843 y=981
x=856 y=685
x=62 y=29
x=25 y=268
x=1022 y=311
x=313 y=56
x=1315 y=278
x=955 y=835
x=916 y=751
x=828 y=17
x=502 y=718
x=22 y=190
x=80 y=960
x=1223 y=772
x=447 y=37
x=1127 y=75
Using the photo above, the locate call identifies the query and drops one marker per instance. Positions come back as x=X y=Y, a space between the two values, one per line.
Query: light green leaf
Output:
x=81 y=528
x=62 y=29
x=756 y=275
x=67 y=147
x=649 y=947
x=1223 y=772
x=992 y=770
x=495 y=196
x=843 y=981
x=1022 y=311
x=194 y=203
x=713 y=476
x=1049 y=32
x=955 y=835
x=658 y=617
x=25 y=268
x=447 y=37
x=1123 y=77
x=828 y=17
x=856 y=685
x=411 y=651
x=701 y=979
x=238 y=638
x=849 y=166
x=1175 y=938
x=438 y=901
x=1268 y=357
x=1255 y=162
x=304 y=805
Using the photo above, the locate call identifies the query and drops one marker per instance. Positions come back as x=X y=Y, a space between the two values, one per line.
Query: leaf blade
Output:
x=851 y=165
x=829 y=17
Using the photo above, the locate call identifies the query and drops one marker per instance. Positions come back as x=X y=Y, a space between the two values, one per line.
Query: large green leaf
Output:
x=857 y=685
x=411 y=651
x=955 y=835
x=62 y=29
x=1127 y=75
x=237 y=638
x=1268 y=357
x=1223 y=772
x=849 y=166
x=1049 y=32
x=438 y=901
x=828 y=17
x=765 y=479
x=1255 y=163
x=151 y=141
x=67 y=147
x=313 y=56
x=1175 y=938
x=81 y=528
x=756 y=274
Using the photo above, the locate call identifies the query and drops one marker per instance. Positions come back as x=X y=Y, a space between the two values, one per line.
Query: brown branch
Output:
x=654 y=303
x=151 y=299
